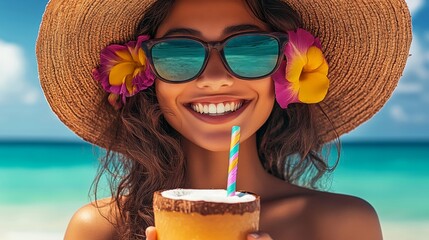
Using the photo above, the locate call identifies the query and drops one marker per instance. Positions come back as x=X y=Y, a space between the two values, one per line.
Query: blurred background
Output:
x=46 y=171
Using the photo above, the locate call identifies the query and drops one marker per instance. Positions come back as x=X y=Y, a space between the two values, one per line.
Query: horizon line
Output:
x=39 y=141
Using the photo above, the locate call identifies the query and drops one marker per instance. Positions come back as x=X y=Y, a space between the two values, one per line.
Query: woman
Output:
x=166 y=117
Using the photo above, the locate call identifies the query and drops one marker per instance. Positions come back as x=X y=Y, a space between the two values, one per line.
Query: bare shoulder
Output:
x=337 y=216
x=302 y=214
x=93 y=221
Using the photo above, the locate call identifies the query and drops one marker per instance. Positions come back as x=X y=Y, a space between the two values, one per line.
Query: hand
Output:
x=259 y=236
x=150 y=233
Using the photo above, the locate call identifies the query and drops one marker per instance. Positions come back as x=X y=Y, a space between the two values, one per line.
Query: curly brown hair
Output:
x=288 y=143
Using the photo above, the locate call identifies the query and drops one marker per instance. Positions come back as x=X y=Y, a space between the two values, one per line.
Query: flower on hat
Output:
x=123 y=71
x=302 y=78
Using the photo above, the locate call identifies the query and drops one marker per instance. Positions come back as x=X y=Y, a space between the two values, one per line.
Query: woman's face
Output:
x=251 y=101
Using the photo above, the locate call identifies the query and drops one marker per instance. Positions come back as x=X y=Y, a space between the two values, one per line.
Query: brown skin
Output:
x=287 y=211
x=294 y=214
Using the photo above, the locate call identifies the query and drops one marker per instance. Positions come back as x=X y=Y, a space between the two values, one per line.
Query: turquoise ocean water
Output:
x=46 y=182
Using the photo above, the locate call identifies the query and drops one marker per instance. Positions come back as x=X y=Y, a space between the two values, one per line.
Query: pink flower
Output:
x=303 y=77
x=123 y=71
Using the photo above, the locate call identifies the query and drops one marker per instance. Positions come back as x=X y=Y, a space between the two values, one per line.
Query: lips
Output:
x=217 y=109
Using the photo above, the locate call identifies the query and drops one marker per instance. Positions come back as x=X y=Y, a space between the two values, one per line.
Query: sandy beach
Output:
x=407 y=230
x=44 y=222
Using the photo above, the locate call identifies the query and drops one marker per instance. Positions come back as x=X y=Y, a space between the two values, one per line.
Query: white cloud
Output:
x=408 y=88
x=411 y=105
x=416 y=74
x=13 y=86
x=31 y=97
x=418 y=59
x=400 y=115
x=415 y=5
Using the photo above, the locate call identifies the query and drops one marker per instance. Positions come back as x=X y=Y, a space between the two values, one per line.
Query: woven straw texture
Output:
x=366 y=44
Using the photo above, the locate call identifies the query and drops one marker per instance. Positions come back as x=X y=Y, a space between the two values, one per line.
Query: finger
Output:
x=259 y=236
x=151 y=233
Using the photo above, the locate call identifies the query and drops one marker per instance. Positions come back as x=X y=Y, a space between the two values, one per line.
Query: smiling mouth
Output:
x=217 y=109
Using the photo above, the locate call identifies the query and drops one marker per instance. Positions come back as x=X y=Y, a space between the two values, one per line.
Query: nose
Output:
x=215 y=75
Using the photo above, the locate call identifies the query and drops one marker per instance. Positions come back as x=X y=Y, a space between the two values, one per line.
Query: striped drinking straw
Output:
x=233 y=161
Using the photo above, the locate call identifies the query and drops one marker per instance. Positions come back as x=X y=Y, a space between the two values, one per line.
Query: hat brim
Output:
x=366 y=44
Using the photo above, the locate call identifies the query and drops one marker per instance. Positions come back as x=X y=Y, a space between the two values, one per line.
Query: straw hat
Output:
x=366 y=44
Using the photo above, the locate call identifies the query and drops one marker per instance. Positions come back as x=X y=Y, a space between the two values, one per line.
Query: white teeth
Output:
x=200 y=108
x=227 y=107
x=220 y=108
x=232 y=106
x=216 y=109
x=212 y=108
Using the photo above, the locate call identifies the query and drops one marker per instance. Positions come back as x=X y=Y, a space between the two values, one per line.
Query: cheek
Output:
x=263 y=107
x=268 y=95
x=267 y=98
x=162 y=94
x=167 y=98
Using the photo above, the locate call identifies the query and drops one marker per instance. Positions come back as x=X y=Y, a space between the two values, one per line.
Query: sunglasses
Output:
x=245 y=55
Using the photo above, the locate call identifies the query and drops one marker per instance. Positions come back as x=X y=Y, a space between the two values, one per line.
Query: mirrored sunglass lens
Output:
x=178 y=59
x=252 y=56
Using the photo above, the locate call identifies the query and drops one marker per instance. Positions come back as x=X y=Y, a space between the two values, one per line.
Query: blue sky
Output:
x=24 y=113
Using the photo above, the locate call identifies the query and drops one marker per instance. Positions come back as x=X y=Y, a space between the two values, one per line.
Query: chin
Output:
x=215 y=147
x=212 y=142
x=216 y=142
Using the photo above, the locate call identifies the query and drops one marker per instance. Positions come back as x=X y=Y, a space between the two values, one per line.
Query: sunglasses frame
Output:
x=282 y=39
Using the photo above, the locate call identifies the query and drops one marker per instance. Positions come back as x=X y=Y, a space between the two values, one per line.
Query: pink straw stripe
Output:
x=233 y=160
x=233 y=176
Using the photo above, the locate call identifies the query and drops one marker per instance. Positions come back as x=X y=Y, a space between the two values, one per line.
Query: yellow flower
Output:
x=304 y=76
x=124 y=70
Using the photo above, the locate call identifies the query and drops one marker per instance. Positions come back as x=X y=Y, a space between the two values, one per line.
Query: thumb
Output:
x=259 y=236
x=151 y=233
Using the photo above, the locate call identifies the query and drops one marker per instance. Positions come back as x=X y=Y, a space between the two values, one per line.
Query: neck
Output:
x=209 y=170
